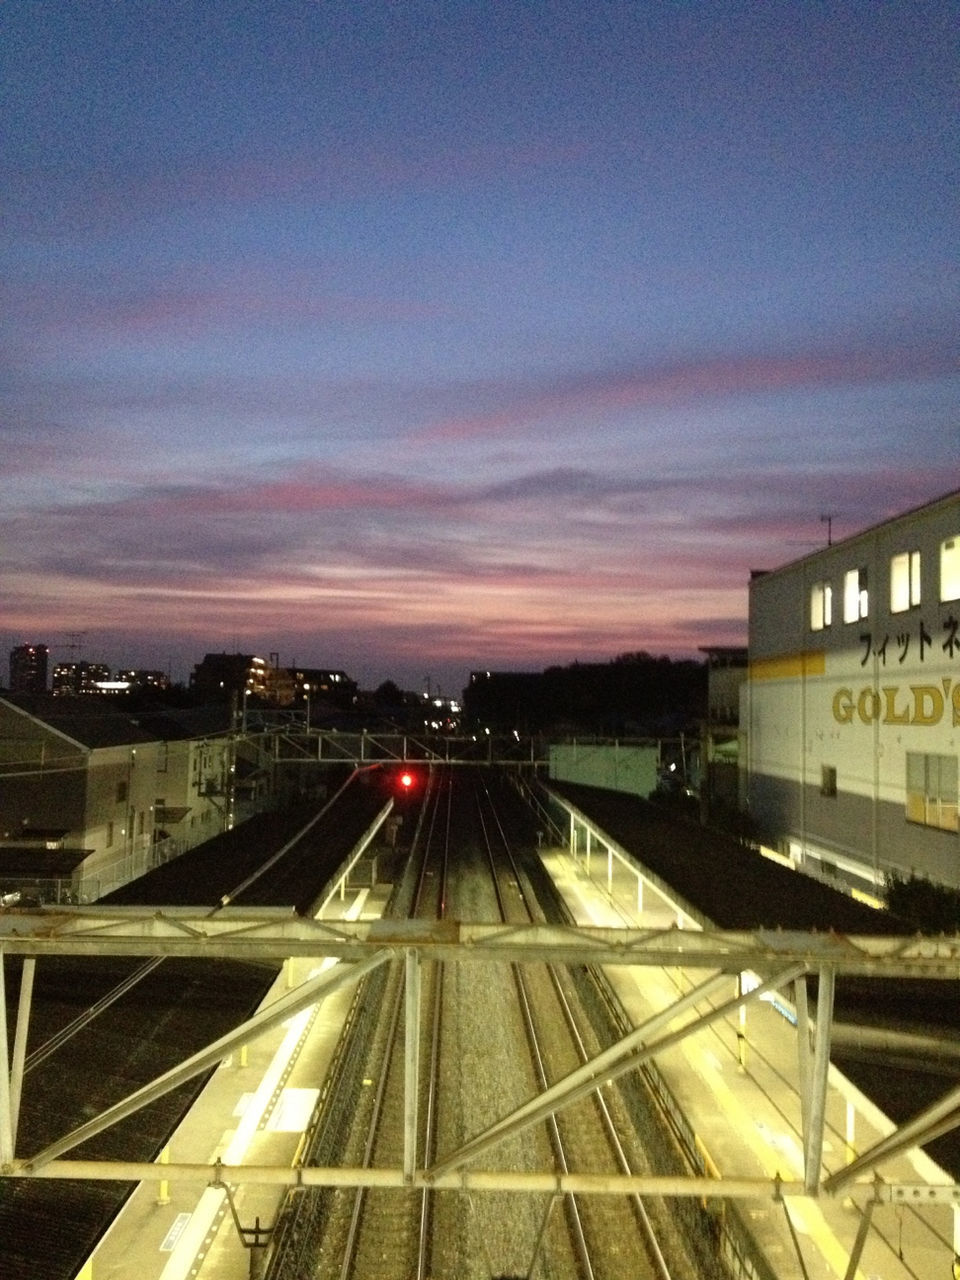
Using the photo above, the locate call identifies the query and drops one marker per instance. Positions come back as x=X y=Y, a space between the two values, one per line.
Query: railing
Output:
x=31 y=891
x=130 y=866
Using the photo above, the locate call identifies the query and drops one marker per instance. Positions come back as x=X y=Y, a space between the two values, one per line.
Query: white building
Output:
x=851 y=713
x=91 y=797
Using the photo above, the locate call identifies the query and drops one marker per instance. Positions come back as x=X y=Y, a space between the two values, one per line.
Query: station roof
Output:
x=36 y=863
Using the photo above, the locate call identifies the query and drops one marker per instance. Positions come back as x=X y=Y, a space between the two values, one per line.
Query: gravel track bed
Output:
x=485 y=1070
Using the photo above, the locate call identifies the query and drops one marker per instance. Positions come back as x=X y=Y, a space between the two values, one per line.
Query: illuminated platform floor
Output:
x=253 y=1110
x=747 y=1117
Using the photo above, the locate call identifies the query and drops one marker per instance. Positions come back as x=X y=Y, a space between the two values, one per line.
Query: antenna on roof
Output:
x=74 y=644
x=827 y=519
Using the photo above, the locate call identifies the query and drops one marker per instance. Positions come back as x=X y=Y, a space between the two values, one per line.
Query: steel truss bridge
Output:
x=780 y=959
x=715 y=962
x=289 y=741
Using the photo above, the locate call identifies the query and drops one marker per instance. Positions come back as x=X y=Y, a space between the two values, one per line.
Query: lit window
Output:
x=855 y=601
x=904 y=581
x=932 y=790
x=821 y=606
x=950 y=569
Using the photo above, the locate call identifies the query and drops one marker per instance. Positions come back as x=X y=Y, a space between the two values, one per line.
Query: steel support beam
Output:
x=286 y=1006
x=20 y=1044
x=411 y=1073
x=801 y=1004
x=816 y=1111
x=256 y=934
x=856 y=1253
x=564 y=1093
x=283 y=1175
x=6 y=1115
x=937 y=1119
x=299 y=1176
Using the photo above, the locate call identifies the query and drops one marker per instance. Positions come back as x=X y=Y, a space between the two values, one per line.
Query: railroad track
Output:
x=611 y=1236
x=488 y=1042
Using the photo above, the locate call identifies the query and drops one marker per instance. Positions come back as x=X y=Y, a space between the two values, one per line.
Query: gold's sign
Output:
x=922 y=704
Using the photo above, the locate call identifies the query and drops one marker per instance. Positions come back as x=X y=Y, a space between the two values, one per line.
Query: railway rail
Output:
x=725 y=1035
x=100 y=1027
x=471 y=1032
x=470 y=1042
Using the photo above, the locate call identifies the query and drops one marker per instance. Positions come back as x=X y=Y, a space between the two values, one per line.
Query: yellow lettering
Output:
x=956 y=704
x=843 y=706
x=868 y=705
x=927 y=704
x=891 y=715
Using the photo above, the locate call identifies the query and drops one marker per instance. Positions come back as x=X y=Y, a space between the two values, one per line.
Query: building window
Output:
x=855 y=600
x=932 y=790
x=821 y=606
x=950 y=569
x=904 y=581
x=828 y=780
x=109 y=834
x=121 y=792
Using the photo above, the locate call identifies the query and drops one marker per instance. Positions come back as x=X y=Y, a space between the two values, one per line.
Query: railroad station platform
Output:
x=253 y=1109
x=734 y=1082
x=746 y=1114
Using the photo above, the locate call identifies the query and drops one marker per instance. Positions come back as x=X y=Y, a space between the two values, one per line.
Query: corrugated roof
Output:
x=87 y=721
x=176 y=723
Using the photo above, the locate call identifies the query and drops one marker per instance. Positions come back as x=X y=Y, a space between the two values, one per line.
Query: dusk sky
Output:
x=416 y=338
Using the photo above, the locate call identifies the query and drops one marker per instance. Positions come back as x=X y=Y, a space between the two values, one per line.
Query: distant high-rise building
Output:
x=143 y=679
x=72 y=678
x=28 y=668
x=221 y=676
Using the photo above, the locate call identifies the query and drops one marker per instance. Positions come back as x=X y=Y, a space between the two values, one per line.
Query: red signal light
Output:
x=406 y=781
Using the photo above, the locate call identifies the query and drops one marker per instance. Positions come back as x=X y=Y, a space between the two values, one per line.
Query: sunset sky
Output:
x=416 y=338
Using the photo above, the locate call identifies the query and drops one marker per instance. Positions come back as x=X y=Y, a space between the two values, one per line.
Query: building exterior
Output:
x=141 y=680
x=73 y=678
x=321 y=687
x=222 y=677
x=91 y=797
x=77 y=782
x=28 y=668
x=851 y=712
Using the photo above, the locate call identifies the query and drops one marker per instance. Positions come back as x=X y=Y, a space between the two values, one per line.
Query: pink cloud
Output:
x=682 y=382
x=187 y=300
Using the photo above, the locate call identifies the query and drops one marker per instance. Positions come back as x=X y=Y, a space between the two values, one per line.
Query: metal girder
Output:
x=20 y=1042
x=6 y=1120
x=814 y=1112
x=940 y=1117
x=286 y=1006
x=411 y=1059
x=299 y=745
x=781 y=959
x=632 y=1051
x=281 y=1175
x=251 y=934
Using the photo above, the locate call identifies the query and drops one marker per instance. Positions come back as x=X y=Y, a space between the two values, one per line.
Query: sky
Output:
x=412 y=339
